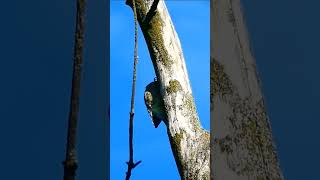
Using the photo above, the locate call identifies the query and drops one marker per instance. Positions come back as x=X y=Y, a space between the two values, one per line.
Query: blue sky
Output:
x=152 y=145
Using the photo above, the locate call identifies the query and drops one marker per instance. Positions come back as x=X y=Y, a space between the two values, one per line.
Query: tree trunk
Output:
x=190 y=143
x=242 y=146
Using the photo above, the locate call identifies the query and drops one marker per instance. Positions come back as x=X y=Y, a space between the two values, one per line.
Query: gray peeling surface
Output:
x=242 y=146
x=190 y=143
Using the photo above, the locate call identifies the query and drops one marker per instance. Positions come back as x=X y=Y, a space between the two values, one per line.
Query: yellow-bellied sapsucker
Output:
x=154 y=103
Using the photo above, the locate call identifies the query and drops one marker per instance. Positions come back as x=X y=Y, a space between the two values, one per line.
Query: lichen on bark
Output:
x=174 y=86
x=175 y=142
x=247 y=133
x=219 y=80
x=242 y=145
x=189 y=141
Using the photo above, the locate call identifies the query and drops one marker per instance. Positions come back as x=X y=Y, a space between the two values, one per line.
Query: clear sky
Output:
x=152 y=145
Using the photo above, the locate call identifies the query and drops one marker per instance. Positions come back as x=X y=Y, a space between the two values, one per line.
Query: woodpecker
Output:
x=154 y=103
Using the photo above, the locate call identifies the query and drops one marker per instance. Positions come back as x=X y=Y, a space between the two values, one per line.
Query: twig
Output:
x=130 y=163
x=151 y=12
x=70 y=163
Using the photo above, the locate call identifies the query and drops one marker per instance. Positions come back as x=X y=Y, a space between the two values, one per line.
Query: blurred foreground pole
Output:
x=70 y=163
x=241 y=141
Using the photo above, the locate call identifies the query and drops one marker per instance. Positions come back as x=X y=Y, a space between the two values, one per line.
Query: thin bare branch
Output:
x=130 y=163
x=70 y=163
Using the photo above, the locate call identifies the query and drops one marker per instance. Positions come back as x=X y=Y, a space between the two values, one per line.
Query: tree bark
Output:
x=242 y=145
x=70 y=163
x=190 y=143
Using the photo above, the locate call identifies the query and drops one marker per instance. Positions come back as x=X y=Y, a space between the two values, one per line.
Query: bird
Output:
x=154 y=103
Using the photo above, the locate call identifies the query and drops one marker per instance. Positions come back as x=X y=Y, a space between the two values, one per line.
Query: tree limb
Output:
x=189 y=141
x=242 y=146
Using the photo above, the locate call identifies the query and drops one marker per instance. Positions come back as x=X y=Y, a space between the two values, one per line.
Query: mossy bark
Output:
x=190 y=143
x=242 y=145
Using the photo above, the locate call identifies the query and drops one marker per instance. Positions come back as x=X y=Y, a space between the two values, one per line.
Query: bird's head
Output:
x=148 y=99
